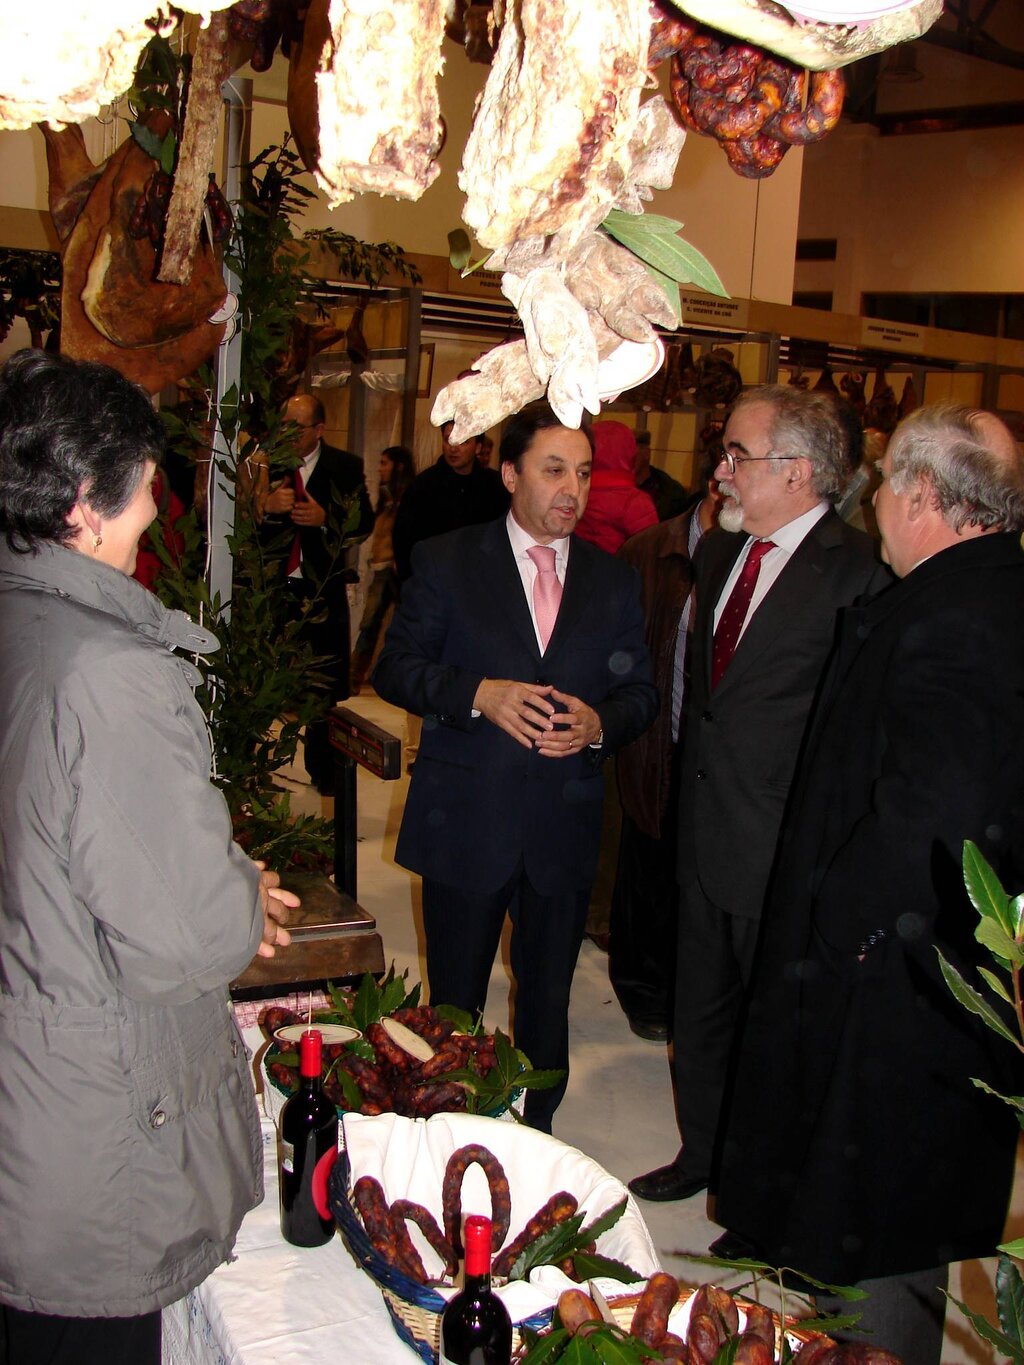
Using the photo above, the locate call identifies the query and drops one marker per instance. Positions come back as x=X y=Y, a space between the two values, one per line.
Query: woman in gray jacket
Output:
x=129 y=1142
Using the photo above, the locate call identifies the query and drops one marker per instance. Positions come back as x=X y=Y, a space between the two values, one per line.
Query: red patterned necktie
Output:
x=295 y=553
x=547 y=591
x=730 y=623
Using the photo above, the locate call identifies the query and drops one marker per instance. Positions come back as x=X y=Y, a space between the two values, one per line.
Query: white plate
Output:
x=846 y=11
x=630 y=364
x=331 y=1033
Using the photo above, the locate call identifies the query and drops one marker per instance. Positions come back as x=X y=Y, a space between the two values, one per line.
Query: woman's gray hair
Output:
x=808 y=425
x=974 y=484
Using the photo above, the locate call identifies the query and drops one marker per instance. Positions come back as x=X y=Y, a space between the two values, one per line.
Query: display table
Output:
x=333 y=939
x=277 y=1304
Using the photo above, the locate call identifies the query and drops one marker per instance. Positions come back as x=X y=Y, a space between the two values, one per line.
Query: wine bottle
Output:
x=307 y=1149
x=475 y=1325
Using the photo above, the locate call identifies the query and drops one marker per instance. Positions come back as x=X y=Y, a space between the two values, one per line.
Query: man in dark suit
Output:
x=313 y=499
x=857 y=1148
x=641 y=952
x=504 y=810
x=767 y=598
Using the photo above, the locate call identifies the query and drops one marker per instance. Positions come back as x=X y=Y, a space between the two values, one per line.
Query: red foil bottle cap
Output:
x=311 y=1052
x=476 y=1231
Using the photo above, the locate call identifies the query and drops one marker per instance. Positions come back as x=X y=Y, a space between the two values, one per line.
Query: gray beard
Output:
x=730 y=518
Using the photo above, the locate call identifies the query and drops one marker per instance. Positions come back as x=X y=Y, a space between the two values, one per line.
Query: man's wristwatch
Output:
x=597 y=743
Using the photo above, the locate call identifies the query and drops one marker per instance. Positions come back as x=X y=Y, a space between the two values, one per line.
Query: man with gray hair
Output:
x=857 y=1146
x=767 y=597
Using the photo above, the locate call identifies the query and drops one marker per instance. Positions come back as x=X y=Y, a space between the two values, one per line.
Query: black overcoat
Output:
x=856 y=1145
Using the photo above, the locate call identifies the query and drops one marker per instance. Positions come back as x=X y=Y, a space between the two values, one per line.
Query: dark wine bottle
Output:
x=307 y=1149
x=475 y=1326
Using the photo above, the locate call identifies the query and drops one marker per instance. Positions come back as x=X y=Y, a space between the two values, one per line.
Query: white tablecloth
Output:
x=276 y=1304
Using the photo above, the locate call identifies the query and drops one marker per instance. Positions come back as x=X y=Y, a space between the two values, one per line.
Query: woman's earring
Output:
x=97 y=541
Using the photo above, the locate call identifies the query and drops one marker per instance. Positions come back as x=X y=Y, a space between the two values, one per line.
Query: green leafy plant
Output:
x=652 y=238
x=510 y=1074
x=570 y=1241
x=30 y=284
x=671 y=261
x=373 y=1000
x=1000 y=929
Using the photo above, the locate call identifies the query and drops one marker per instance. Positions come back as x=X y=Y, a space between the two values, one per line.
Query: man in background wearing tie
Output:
x=523 y=649
x=767 y=600
x=308 y=499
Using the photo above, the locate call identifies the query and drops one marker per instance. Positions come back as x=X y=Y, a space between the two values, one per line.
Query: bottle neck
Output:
x=476 y=1285
x=477 y=1234
x=311 y=1058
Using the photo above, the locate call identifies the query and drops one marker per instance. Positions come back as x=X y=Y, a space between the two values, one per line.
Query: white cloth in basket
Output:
x=409 y=1156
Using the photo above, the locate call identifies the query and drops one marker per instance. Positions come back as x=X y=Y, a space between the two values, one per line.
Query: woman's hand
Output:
x=276 y=903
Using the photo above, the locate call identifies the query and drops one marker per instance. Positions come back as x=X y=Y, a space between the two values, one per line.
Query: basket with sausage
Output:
x=669 y=1322
x=401 y=1057
x=400 y=1190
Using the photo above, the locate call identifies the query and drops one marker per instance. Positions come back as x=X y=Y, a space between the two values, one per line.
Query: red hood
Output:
x=614 y=447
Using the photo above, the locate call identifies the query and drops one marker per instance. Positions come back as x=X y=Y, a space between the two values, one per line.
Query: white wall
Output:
x=931 y=212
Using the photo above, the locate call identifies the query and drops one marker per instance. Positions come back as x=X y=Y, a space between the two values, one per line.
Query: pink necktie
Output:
x=547 y=591
x=730 y=623
x=295 y=553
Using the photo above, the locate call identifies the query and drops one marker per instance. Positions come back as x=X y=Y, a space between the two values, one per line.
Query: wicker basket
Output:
x=623 y=1306
x=415 y=1308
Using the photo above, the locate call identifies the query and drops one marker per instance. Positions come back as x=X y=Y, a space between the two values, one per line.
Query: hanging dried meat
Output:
x=362 y=96
x=882 y=412
x=908 y=399
x=112 y=310
x=553 y=125
x=756 y=105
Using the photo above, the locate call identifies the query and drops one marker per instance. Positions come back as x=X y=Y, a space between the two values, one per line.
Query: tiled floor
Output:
x=618 y=1106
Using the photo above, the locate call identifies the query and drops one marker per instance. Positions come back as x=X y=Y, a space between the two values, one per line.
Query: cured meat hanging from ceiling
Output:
x=561 y=137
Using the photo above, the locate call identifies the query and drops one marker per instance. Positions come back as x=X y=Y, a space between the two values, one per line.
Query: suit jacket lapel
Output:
x=506 y=586
x=793 y=586
x=574 y=599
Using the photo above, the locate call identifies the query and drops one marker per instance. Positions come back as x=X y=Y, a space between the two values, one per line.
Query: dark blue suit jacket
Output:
x=480 y=803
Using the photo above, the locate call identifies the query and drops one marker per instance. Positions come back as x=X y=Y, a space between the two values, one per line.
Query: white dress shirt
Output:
x=788 y=540
x=521 y=541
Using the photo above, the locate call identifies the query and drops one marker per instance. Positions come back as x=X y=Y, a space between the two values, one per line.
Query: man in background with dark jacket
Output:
x=455 y=491
x=308 y=499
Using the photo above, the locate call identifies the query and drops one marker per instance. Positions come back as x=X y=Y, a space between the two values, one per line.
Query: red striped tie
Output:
x=730 y=623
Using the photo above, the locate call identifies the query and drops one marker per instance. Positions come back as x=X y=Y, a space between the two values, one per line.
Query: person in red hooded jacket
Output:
x=617 y=509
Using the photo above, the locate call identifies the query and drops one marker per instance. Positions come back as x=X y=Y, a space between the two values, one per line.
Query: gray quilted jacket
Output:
x=129 y=1141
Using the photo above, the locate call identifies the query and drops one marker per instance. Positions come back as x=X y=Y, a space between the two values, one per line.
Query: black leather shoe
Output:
x=732 y=1247
x=667 y=1183
x=649 y=1027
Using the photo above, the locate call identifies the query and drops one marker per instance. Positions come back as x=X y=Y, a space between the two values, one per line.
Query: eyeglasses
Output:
x=731 y=461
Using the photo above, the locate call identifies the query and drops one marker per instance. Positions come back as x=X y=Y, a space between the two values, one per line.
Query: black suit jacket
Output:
x=481 y=804
x=338 y=474
x=742 y=741
x=854 y=1103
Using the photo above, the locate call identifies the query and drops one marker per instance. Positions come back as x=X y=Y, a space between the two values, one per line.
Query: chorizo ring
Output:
x=370 y=1204
x=405 y=1211
x=473 y=1154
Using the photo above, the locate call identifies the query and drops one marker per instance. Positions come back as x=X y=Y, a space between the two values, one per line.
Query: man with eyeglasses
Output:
x=767 y=593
